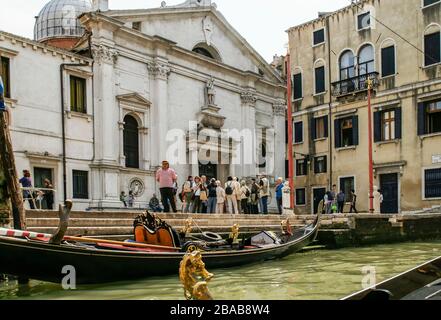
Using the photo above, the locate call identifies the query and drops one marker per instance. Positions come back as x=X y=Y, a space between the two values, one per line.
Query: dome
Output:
x=58 y=20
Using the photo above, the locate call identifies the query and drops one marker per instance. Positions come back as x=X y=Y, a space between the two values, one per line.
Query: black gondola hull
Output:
x=46 y=262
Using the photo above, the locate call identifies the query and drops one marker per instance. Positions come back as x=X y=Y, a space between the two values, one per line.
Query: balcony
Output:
x=354 y=85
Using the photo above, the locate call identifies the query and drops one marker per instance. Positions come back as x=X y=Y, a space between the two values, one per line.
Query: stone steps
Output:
x=132 y=215
x=114 y=231
x=94 y=222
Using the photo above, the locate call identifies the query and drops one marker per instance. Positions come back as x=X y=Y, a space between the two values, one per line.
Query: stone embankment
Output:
x=335 y=231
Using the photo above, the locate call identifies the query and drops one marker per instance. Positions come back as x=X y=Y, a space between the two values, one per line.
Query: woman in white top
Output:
x=221 y=196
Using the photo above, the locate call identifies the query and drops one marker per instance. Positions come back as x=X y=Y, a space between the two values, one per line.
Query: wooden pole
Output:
x=371 y=167
x=290 y=130
x=8 y=162
x=120 y=243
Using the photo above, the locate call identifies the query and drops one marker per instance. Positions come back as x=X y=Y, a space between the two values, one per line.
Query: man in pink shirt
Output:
x=166 y=178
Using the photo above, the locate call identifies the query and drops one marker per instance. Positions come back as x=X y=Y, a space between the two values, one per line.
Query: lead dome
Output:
x=58 y=20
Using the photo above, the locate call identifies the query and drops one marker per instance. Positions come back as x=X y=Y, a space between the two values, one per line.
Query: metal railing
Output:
x=36 y=196
x=354 y=84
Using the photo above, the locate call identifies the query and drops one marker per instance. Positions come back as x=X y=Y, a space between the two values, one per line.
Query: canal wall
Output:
x=336 y=231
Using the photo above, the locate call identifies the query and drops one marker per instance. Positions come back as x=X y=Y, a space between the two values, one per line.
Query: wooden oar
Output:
x=125 y=244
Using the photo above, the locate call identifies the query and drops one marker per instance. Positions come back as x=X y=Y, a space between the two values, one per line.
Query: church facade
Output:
x=135 y=87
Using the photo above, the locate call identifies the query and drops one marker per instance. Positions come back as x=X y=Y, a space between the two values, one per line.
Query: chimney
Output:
x=100 y=5
x=323 y=14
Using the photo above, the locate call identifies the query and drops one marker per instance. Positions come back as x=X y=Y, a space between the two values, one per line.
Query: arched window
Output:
x=347 y=65
x=131 y=142
x=203 y=52
x=207 y=51
x=366 y=60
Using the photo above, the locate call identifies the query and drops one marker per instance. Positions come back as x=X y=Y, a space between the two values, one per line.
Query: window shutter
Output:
x=377 y=126
x=305 y=166
x=337 y=126
x=319 y=80
x=355 y=130
x=298 y=132
x=326 y=119
x=421 y=119
x=313 y=131
x=432 y=49
x=398 y=123
x=297 y=84
x=388 y=61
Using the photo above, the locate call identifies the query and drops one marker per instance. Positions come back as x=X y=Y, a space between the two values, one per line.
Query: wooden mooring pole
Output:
x=8 y=163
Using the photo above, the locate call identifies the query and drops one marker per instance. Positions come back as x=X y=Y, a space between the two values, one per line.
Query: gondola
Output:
x=420 y=283
x=103 y=263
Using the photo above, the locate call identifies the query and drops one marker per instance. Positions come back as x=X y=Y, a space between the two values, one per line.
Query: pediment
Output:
x=134 y=99
x=232 y=43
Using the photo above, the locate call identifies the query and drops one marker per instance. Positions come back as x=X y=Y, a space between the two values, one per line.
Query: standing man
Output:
x=26 y=182
x=279 y=195
x=166 y=177
x=341 y=197
x=264 y=194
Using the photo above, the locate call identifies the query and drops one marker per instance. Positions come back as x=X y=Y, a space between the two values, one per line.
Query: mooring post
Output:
x=10 y=172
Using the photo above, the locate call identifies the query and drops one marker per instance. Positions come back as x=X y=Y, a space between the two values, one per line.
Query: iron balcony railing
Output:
x=354 y=84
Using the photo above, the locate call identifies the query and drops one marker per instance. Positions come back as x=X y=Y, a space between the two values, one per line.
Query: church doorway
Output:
x=209 y=170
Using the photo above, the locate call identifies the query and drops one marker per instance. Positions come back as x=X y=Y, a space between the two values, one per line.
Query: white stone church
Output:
x=100 y=97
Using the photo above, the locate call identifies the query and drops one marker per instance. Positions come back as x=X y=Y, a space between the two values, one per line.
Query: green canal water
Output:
x=321 y=274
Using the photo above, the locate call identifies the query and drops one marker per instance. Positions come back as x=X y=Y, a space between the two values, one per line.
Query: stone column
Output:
x=249 y=99
x=106 y=113
x=122 y=158
x=145 y=146
x=159 y=70
x=279 y=112
x=105 y=186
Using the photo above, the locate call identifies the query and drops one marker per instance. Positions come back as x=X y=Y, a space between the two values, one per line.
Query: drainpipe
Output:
x=63 y=123
x=328 y=35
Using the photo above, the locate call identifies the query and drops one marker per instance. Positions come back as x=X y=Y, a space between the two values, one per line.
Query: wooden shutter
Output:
x=326 y=119
x=337 y=126
x=355 y=130
x=377 y=126
x=297 y=84
x=432 y=49
x=313 y=129
x=421 y=119
x=388 y=61
x=398 y=123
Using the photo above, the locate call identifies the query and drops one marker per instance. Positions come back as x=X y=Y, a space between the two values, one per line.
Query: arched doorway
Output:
x=131 y=142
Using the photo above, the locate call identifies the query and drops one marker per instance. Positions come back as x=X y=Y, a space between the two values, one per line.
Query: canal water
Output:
x=311 y=275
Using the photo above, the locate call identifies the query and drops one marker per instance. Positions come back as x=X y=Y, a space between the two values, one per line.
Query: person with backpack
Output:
x=231 y=197
x=187 y=194
x=254 y=197
x=245 y=194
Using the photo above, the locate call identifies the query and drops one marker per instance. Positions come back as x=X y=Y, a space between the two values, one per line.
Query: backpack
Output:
x=229 y=190
x=248 y=193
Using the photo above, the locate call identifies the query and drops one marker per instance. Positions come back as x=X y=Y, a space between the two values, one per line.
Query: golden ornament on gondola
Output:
x=194 y=277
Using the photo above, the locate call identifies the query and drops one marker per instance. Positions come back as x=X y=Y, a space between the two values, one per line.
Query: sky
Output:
x=261 y=22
